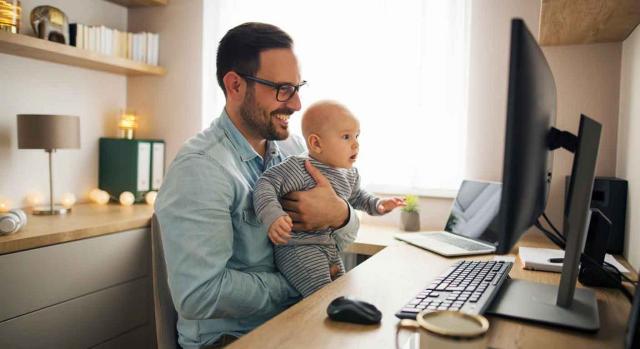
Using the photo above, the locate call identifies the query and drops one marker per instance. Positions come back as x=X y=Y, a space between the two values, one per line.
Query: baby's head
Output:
x=331 y=133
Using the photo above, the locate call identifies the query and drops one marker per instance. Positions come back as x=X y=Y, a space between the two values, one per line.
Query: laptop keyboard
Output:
x=467 y=286
x=462 y=243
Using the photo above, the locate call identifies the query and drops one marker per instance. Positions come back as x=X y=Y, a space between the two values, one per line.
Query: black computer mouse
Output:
x=347 y=309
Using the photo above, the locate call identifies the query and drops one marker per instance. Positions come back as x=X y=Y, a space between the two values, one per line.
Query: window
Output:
x=399 y=66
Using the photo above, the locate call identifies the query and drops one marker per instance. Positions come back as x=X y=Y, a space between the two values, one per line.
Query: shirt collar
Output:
x=242 y=146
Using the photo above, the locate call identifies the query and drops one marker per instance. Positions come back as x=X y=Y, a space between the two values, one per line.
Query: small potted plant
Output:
x=409 y=217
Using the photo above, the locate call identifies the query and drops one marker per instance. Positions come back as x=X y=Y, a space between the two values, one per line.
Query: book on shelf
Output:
x=141 y=47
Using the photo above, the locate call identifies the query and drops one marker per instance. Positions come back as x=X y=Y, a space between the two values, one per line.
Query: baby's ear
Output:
x=314 y=144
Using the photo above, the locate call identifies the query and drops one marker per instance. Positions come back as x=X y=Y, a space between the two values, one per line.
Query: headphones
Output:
x=12 y=221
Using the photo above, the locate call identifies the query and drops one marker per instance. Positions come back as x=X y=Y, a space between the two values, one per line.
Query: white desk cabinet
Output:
x=95 y=292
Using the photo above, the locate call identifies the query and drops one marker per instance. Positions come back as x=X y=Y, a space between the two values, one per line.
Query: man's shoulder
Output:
x=210 y=143
x=294 y=145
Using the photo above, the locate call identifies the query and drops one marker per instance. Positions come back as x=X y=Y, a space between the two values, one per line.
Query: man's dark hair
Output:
x=239 y=50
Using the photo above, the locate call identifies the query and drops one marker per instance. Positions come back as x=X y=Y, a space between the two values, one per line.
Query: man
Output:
x=219 y=260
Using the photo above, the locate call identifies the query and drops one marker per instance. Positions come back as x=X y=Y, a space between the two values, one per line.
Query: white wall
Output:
x=171 y=106
x=490 y=30
x=628 y=166
x=33 y=86
x=587 y=82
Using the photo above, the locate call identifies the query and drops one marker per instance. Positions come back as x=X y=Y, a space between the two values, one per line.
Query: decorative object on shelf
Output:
x=12 y=221
x=94 y=194
x=128 y=124
x=132 y=165
x=48 y=132
x=34 y=199
x=10 y=13
x=127 y=198
x=409 y=215
x=50 y=23
x=103 y=198
x=98 y=196
x=150 y=197
x=5 y=205
x=67 y=200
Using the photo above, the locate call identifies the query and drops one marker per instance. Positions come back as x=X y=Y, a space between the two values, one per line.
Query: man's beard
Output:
x=259 y=120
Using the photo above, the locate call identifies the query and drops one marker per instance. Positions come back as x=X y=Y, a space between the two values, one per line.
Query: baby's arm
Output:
x=362 y=200
x=270 y=187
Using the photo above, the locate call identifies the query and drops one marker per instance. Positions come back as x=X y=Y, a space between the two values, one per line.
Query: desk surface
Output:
x=393 y=276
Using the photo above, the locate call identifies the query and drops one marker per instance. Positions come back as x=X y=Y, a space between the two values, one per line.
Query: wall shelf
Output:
x=570 y=22
x=31 y=47
x=139 y=3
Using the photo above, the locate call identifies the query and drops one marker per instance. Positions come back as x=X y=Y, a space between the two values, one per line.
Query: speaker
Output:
x=12 y=221
x=610 y=197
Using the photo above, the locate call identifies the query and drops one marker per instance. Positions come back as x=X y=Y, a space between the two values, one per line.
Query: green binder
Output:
x=134 y=165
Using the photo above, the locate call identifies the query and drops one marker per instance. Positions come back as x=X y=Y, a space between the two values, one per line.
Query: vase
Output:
x=410 y=221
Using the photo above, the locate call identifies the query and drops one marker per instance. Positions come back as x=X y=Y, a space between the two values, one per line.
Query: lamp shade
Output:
x=38 y=131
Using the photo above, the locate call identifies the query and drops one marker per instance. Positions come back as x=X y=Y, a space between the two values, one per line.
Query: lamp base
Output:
x=47 y=211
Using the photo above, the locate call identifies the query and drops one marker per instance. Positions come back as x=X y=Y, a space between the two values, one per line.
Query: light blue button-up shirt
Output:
x=220 y=266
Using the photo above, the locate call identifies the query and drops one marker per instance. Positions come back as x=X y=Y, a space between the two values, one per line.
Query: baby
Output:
x=310 y=259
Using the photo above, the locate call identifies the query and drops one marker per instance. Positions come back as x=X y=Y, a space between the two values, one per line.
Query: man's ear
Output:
x=314 y=143
x=234 y=85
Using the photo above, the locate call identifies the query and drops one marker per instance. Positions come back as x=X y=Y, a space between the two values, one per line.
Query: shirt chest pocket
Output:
x=249 y=217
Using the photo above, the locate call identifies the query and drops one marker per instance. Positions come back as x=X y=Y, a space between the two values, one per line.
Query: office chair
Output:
x=165 y=313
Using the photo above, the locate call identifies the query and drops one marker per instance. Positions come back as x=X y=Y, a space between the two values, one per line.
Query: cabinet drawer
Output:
x=82 y=322
x=41 y=277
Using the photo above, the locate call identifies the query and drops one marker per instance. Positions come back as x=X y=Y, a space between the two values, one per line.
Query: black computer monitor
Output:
x=530 y=140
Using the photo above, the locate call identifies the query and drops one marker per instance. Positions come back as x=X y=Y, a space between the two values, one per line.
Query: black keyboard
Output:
x=467 y=286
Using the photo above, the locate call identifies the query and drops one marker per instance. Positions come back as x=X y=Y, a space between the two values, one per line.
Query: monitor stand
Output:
x=563 y=305
x=527 y=300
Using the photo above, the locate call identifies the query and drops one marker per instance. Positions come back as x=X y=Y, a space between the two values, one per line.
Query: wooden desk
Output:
x=393 y=276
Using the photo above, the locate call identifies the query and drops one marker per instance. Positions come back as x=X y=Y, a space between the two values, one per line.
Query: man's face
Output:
x=260 y=110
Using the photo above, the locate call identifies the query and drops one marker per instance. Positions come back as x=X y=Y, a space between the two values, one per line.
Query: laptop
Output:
x=471 y=227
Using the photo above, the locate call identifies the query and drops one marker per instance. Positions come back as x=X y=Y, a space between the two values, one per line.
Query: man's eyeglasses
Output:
x=284 y=91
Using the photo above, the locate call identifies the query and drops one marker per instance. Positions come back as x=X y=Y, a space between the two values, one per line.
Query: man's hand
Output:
x=318 y=208
x=280 y=230
x=387 y=205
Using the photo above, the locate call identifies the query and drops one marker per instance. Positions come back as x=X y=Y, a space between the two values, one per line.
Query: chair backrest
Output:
x=165 y=313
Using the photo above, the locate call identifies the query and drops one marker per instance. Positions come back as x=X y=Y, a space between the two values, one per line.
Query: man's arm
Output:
x=194 y=212
x=321 y=208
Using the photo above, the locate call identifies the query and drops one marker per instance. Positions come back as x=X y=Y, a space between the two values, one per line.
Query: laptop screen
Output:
x=474 y=210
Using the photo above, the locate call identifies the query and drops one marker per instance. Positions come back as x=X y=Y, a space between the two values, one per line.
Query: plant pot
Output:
x=410 y=221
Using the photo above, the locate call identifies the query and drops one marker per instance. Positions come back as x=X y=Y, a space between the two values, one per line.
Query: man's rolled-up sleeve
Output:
x=348 y=233
x=194 y=212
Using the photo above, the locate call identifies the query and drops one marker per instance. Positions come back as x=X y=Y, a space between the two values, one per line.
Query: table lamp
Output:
x=48 y=132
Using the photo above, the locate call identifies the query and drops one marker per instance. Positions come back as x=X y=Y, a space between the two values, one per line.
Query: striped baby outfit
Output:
x=305 y=260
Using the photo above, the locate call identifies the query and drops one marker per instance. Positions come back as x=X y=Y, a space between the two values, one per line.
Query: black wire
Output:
x=555 y=239
x=553 y=232
x=546 y=218
x=559 y=240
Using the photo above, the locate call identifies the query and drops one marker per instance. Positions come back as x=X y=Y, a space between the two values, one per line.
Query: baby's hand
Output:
x=280 y=229
x=387 y=205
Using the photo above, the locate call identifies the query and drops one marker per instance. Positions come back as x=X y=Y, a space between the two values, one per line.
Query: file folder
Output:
x=134 y=165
